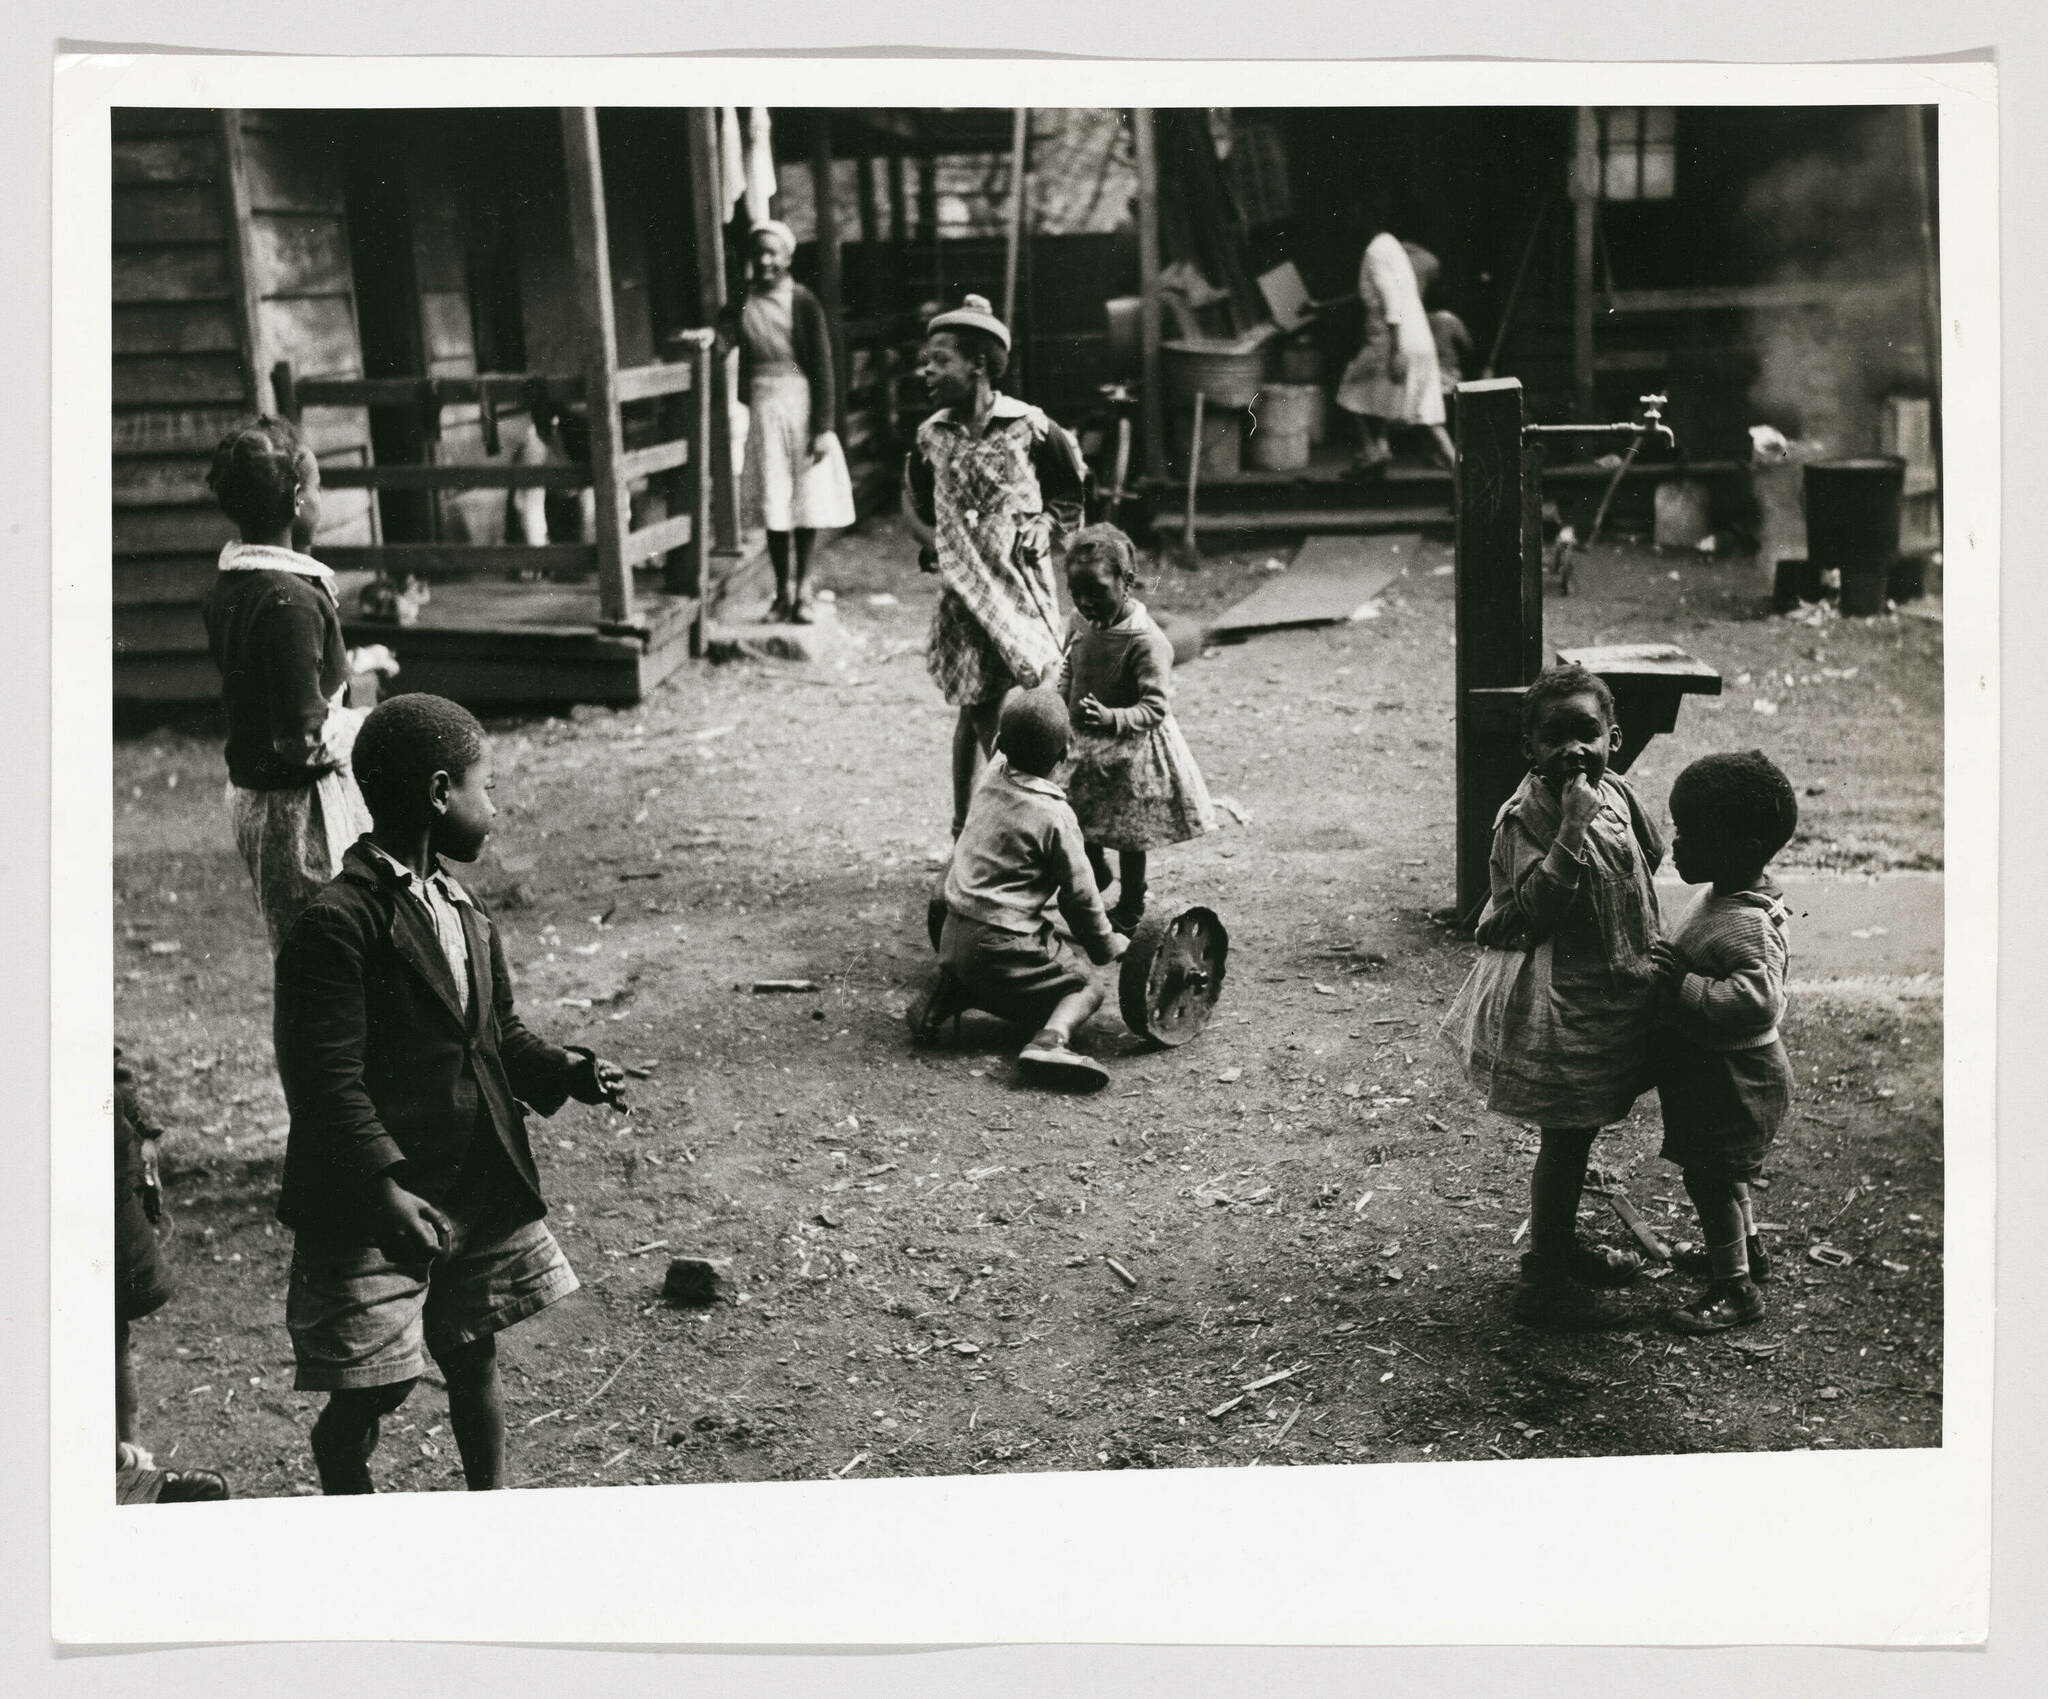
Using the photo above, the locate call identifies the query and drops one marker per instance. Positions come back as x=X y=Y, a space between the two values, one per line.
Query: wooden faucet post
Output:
x=1499 y=590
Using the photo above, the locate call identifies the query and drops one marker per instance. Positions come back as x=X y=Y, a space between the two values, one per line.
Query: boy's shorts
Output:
x=142 y=1285
x=358 y=1318
x=1016 y=976
x=1722 y=1108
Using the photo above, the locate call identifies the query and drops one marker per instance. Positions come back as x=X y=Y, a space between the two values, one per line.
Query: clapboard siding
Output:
x=297 y=258
x=162 y=629
x=170 y=212
x=173 y=430
x=289 y=170
x=176 y=580
x=182 y=372
x=297 y=253
x=166 y=159
x=150 y=481
x=317 y=333
x=173 y=274
x=151 y=380
x=176 y=327
x=179 y=530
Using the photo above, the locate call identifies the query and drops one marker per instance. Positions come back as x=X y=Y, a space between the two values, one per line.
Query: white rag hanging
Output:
x=760 y=173
x=732 y=160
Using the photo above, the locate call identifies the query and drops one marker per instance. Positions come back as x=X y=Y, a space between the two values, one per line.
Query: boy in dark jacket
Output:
x=408 y=1179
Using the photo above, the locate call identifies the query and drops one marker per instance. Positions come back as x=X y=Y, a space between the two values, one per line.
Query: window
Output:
x=1638 y=153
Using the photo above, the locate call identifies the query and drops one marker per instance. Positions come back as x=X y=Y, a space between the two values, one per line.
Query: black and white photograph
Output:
x=813 y=793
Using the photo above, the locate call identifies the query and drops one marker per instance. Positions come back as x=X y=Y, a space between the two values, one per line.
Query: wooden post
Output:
x=1499 y=590
x=248 y=290
x=831 y=286
x=1585 y=217
x=899 y=212
x=600 y=359
x=1147 y=148
x=685 y=573
x=873 y=261
x=1020 y=131
x=711 y=462
x=928 y=221
x=1930 y=255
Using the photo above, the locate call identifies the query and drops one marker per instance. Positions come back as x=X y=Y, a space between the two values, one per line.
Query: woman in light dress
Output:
x=795 y=467
x=1393 y=380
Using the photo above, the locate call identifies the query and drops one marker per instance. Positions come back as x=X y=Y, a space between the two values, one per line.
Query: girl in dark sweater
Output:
x=275 y=632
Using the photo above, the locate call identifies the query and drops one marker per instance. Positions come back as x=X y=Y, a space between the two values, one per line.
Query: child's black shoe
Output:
x=1127 y=914
x=1725 y=1304
x=1603 y=1265
x=1549 y=1295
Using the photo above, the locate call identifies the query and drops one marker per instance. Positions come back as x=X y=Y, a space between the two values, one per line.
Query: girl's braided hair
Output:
x=255 y=474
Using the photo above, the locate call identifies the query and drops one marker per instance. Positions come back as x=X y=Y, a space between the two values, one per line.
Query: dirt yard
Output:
x=1317 y=1219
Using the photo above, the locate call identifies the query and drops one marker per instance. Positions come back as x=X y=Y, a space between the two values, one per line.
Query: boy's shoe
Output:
x=943 y=999
x=192 y=1486
x=169 y=1486
x=1603 y=1265
x=1127 y=914
x=1548 y=1296
x=1725 y=1304
x=1048 y=1054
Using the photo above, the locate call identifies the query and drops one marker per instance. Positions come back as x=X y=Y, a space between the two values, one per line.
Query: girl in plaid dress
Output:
x=1130 y=776
x=991 y=486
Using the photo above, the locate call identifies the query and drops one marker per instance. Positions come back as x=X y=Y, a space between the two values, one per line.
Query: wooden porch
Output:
x=249 y=211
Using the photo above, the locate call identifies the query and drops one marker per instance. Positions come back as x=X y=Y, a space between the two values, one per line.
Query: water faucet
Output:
x=1653 y=419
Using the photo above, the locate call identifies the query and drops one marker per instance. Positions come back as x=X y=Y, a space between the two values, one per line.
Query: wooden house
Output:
x=1758 y=265
x=412 y=286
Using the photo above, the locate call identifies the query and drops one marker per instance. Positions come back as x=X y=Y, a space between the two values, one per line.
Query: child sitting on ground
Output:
x=408 y=1179
x=1131 y=778
x=1020 y=853
x=142 y=1286
x=1554 y=1021
x=1722 y=1075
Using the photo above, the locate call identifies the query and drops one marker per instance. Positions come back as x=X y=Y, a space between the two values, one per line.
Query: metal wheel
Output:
x=1172 y=975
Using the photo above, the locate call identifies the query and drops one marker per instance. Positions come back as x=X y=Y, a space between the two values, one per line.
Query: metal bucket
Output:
x=1222 y=443
x=1228 y=373
x=1852 y=524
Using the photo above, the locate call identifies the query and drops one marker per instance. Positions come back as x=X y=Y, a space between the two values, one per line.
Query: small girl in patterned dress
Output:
x=1131 y=778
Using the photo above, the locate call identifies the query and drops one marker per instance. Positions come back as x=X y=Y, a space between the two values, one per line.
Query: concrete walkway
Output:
x=1852 y=926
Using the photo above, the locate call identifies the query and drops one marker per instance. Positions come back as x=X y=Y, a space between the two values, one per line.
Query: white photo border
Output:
x=1893 y=1547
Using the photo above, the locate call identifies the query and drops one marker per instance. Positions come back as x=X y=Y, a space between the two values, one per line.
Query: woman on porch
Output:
x=794 y=468
x=989 y=487
x=1393 y=380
